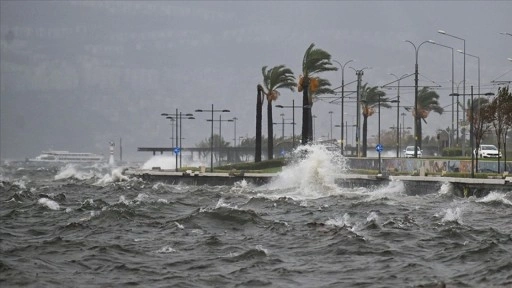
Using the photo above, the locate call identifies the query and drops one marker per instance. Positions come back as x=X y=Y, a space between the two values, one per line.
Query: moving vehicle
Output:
x=409 y=152
x=488 y=151
x=67 y=157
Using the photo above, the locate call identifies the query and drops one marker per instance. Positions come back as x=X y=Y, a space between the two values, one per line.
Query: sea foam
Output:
x=49 y=203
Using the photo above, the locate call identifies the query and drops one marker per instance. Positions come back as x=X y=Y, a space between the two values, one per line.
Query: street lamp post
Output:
x=453 y=84
x=471 y=128
x=180 y=119
x=234 y=138
x=463 y=87
x=282 y=125
x=457 y=111
x=220 y=129
x=177 y=140
x=398 y=113
x=478 y=58
x=342 y=99
x=293 y=118
x=416 y=116
x=330 y=113
x=314 y=127
x=359 y=74
x=380 y=159
x=211 y=140
x=403 y=130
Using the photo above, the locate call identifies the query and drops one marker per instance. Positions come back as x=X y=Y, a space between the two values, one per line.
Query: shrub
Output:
x=454 y=151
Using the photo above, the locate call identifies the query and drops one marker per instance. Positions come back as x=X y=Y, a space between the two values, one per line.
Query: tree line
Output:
x=315 y=62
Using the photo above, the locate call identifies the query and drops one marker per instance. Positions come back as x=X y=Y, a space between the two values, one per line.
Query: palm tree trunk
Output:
x=365 y=135
x=306 y=112
x=270 y=127
x=259 y=116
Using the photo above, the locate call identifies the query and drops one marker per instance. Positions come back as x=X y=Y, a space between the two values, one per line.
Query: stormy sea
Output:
x=91 y=226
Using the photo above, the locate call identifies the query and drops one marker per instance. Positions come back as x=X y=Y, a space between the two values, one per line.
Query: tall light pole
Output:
x=478 y=58
x=314 y=127
x=211 y=140
x=453 y=83
x=398 y=113
x=282 y=125
x=471 y=128
x=463 y=87
x=416 y=113
x=293 y=118
x=177 y=140
x=403 y=129
x=342 y=99
x=234 y=138
x=359 y=74
x=220 y=130
x=330 y=113
x=457 y=109
x=179 y=133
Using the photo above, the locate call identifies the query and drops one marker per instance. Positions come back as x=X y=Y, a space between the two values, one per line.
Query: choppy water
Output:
x=79 y=226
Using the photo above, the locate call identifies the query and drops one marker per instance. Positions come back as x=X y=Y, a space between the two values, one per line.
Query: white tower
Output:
x=111 y=158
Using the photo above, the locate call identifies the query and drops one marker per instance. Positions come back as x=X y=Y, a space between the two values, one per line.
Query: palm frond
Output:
x=275 y=78
x=315 y=61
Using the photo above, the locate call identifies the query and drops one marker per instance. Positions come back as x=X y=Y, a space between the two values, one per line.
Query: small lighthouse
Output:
x=111 y=158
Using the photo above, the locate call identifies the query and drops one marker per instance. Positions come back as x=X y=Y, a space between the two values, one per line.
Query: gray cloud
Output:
x=75 y=75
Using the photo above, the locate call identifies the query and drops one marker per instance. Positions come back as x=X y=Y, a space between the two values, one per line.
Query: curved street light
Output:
x=453 y=84
x=463 y=87
x=398 y=112
x=416 y=117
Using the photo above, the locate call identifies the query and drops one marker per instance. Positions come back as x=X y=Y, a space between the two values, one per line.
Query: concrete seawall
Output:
x=415 y=185
x=212 y=179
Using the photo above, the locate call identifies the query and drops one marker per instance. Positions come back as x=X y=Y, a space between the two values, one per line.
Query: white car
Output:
x=409 y=152
x=488 y=151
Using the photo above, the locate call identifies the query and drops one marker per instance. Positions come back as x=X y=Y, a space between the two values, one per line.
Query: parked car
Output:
x=488 y=151
x=409 y=152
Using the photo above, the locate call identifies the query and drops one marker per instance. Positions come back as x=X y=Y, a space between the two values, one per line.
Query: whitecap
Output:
x=49 y=203
x=495 y=197
x=453 y=215
x=70 y=171
x=165 y=250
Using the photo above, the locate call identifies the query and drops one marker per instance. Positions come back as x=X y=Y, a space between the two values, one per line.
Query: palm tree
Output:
x=259 y=116
x=370 y=97
x=315 y=61
x=427 y=102
x=275 y=78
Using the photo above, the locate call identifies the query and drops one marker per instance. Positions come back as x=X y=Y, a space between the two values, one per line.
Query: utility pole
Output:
x=359 y=74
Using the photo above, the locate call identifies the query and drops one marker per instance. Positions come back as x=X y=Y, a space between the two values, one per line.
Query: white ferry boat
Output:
x=65 y=156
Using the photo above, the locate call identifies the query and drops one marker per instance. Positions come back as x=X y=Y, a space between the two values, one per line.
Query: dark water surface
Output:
x=79 y=226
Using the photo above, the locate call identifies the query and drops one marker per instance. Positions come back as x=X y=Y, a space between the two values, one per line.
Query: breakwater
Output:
x=415 y=185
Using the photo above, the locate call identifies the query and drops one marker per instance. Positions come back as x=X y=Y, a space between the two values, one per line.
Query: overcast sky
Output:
x=76 y=75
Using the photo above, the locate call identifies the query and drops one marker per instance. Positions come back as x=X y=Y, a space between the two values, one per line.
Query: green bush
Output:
x=454 y=151
x=280 y=162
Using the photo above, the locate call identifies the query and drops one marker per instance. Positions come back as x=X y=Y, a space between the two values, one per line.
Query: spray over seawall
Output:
x=311 y=173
